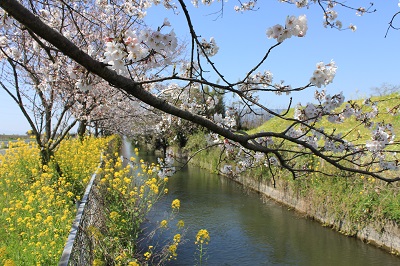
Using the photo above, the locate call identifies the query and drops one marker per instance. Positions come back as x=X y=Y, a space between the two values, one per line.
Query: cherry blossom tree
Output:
x=106 y=110
x=52 y=92
x=113 y=43
x=36 y=85
x=201 y=100
x=385 y=89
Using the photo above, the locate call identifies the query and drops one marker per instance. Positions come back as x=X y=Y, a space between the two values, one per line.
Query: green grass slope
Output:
x=386 y=105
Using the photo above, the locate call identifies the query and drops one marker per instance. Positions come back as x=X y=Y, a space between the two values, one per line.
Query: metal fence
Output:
x=80 y=243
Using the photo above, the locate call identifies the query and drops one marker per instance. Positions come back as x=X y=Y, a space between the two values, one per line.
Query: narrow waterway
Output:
x=244 y=230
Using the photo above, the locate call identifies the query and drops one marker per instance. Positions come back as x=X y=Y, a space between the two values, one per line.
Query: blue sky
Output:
x=364 y=58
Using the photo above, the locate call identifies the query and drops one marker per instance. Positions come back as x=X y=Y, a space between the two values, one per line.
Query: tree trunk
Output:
x=45 y=157
x=82 y=129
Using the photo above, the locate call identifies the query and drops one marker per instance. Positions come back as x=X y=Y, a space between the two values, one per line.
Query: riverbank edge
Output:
x=384 y=234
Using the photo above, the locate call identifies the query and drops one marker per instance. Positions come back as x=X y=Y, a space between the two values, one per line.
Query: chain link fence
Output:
x=88 y=222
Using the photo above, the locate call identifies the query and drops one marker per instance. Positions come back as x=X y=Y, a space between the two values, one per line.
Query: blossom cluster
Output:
x=167 y=167
x=204 y=2
x=229 y=120
x=294 y=26
x=209 y=48
x=212 y=139
x=255 y=82
x=323 y=74
x=6 y=21
x=382 y=135
x=314 y=112
x=144 y=46
x=188 y=69
x=244 y=6
x=301 y=3
x=330 y=16
x=262 y=78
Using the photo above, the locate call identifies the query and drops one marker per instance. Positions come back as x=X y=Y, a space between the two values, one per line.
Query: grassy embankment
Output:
x=359 y=200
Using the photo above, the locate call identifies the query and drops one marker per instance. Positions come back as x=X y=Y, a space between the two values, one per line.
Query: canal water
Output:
x=245 y=230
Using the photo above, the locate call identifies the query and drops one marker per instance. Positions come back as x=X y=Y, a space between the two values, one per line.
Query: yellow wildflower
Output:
x=2 y=252
x=114 y=215
x=180 y=224
x=9 y=262
x=176 y=204
x=164 y=223
x=97 y=262
x=202 y=237
x=177 y=238
x=172 y=249
x=147 y=255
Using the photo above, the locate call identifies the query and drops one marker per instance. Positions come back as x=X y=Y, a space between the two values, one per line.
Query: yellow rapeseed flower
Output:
x=9 y=262
x=114 y=215
x=177 y=238
x=147 y=255
x=202 y=237
x=164 y=223
x=176 y=204
x=154 y=188
x=180 y=224
x=3 y=252
x=97 y=262
x=172 y=250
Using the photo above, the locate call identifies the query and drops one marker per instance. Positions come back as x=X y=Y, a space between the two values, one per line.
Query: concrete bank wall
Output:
x=383 y=234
